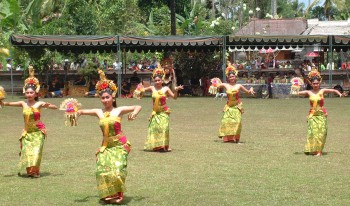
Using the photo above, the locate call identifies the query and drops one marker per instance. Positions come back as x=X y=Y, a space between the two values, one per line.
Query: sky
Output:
x=306 y=2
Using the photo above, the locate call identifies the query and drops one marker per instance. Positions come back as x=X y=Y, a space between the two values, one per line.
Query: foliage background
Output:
x=142 y=18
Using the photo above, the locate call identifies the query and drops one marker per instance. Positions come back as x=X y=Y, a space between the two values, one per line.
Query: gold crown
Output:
x=159 y=71
x=230 y=68
x=105 y=83
x=314 y=73
x=31 y=80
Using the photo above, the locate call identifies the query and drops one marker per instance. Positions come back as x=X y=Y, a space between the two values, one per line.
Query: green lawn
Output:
x=268 y=168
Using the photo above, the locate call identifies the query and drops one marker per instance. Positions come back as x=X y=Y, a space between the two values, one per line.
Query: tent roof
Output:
x=81 y=44
x=110 y=43
x=275 y=41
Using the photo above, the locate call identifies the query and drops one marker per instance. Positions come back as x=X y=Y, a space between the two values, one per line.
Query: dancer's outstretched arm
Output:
x=174 y=94
x=12 y=104
x=332 y=91
x=132 y=110
x=47 y=105
x=91 y=112
x=250 y=91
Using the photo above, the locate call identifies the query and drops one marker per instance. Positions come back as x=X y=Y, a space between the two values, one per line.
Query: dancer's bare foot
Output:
x=118 y=199
x=318 y=154
x=165 y=150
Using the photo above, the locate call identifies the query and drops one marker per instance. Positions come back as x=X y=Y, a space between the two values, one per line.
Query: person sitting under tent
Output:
x=55 y=88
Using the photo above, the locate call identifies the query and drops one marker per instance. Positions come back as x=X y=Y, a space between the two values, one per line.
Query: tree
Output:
x=330 y=7
x=117 y=16
x=318 y=12
x=80 y=17
x=173 y=17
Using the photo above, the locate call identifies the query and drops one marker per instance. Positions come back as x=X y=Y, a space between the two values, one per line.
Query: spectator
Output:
x=55 y=88
x=72 y=66
x=92 y=89
x=125 y=90
x=269 y=86
x=288 y=65
x=8 y=64
x=339 y=88
x=105 y=65
x=66 y=64
x=153 y=64
x=135 y=79
x=19 y=68
x=117 y=65
x=80 y=81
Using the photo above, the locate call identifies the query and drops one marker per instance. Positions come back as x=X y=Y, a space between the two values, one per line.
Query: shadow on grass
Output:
x=43 y=174
x=323 y=153
x=126 y=200
x=220 y=141
x=161 y=152
x=86 y=199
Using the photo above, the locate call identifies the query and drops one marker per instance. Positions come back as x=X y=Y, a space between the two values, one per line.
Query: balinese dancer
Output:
x=317 y=118
x=112 y=155
x=34 y=132
x=169 y=78
x=231 y=126
x=158 y=128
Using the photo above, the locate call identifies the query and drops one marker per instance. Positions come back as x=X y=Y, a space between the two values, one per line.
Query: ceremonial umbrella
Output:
x=312 y=54
x=266 y=51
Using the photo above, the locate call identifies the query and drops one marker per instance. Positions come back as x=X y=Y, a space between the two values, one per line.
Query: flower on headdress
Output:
x=104 y=85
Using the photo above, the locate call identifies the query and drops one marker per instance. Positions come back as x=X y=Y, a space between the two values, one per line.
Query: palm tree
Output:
x=298 y=8
x=173 y=17
x=327 y=5
x=274 y=7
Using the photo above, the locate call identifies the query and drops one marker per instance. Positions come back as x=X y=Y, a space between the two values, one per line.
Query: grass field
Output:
x=268 y=168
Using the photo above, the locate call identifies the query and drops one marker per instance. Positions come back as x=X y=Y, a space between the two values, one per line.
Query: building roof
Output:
x=316 y=27
x=270 y=27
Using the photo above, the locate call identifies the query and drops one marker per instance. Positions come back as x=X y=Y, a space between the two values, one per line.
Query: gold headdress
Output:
x=105 y=84
x=230 y=68
x=31 y=80
x=314 y=73
x=159 y=71
x=2 y=94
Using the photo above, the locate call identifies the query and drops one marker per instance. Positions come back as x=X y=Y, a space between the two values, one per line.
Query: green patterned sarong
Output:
x=158 y=132
x=316 y=133
x=111 y=163
x=158 y=128
x=111 y=171
x=32 y=149
x=31 y=140
x=231 y=122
